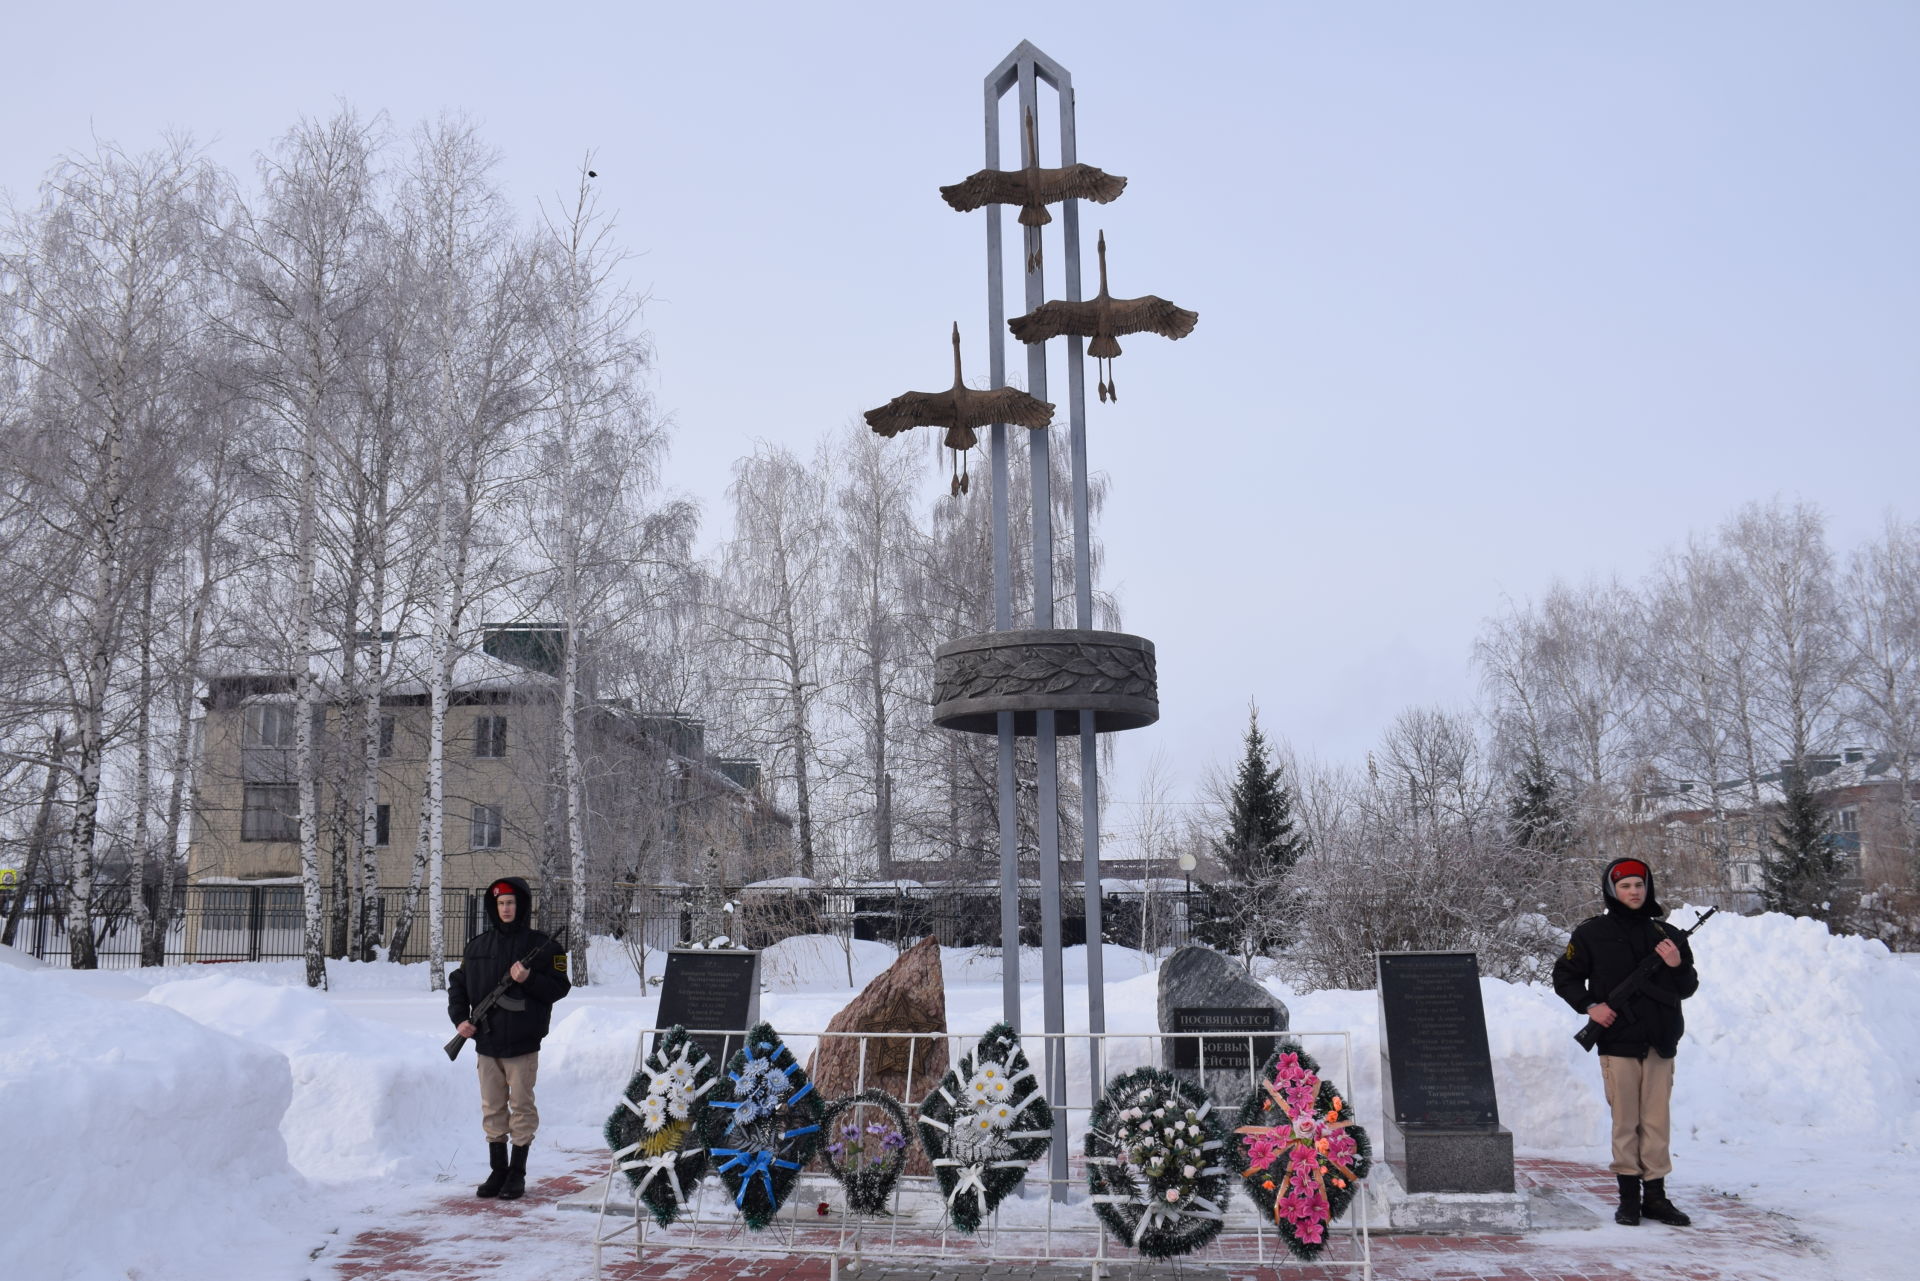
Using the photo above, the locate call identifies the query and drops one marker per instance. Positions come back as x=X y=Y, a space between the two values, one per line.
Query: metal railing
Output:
x=1052 y=1219
x=228 y=923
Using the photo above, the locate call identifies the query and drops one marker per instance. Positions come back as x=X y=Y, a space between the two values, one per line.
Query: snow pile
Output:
x=1800 y=1028
x=368 y=1100
x=819 y=963
x=1793 y=1030
x=19 y=960
x=143 y=1135
x=585 y=1063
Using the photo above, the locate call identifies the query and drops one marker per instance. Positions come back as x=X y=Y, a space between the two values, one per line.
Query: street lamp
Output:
x=1187 y=863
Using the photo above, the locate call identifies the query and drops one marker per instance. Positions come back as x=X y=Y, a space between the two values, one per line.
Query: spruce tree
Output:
x=1535 y=818
x=1259 y=844
x=1259 y=848
x=1801 y=875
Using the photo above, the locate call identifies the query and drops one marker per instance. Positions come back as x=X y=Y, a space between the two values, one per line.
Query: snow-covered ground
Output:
x=162 y=1110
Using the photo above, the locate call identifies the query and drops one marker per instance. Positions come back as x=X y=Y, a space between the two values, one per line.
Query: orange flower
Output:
x=1339 y=1183
x=1322 y=1145
x=1266 y=1105
x=1268 y=1185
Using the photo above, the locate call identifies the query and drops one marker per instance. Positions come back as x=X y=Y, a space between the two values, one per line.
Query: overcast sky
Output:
x=1489 y=292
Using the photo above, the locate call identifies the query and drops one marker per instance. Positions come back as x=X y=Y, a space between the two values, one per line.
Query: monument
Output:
x=1203 y=991
x=1450 y=1159
x=713 y=991
x=1040 y=681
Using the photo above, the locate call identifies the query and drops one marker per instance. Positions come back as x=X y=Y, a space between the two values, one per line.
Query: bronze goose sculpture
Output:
x=961 y=410
x=1034 y=188
x=1103 y=318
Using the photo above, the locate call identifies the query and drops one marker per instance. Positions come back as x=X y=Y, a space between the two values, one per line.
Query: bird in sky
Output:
x=961 y=410
x=1103 y=318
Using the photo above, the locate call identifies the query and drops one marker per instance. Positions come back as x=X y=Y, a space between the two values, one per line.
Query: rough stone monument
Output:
x=908 y=996
x=1204 y=991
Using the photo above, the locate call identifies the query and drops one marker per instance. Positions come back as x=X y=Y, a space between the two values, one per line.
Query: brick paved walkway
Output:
x=461 y=1238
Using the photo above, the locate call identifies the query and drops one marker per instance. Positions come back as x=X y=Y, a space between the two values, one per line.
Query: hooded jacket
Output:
x=508 y=1033
x=1604 y=950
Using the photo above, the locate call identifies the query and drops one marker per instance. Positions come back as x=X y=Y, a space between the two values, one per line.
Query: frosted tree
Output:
x=1882 y=594
x=103 y=302
x=478 y=311
x=771 y=620
x=882 y=682
x=302 y=257
x=604 y=550
x=1781 y=556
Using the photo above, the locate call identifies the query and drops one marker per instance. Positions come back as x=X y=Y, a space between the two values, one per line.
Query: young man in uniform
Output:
x=507 y=1041
x=1639 y=1042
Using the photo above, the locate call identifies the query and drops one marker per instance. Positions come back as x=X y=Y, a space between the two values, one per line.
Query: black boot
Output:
x=497 y=1164
x=516 y=1175
x=1654 y=1204
x=1628 y=1215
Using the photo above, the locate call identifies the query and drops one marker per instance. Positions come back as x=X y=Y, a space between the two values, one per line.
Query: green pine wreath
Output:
x=1155 y=1153
x=1301 y=1156
x=983 y=1125
x=653 y=1131
x=866 y=1147
x=761 y=1125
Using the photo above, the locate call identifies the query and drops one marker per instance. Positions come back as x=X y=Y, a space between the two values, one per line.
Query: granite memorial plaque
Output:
x=715 y=990
x=1223 y=1053
x=1437 y=1039
x=1443 y=1120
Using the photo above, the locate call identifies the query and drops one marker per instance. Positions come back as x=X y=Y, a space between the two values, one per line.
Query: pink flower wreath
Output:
x=1305 y=1157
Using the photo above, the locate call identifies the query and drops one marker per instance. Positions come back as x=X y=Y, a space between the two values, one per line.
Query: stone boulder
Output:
x=909 y=996
x=1203 y=990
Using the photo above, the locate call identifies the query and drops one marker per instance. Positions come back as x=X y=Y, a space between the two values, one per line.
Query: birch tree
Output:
x=301 y=261
x=772 y=622
x=103 y=285
x=479 y=320
x=605 y=550
x=1882 y=592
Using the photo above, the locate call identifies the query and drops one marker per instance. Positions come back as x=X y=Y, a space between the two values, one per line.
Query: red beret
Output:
x=1625 y=868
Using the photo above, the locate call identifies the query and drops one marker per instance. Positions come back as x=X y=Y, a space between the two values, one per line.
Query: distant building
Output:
x=659 y=809
x=1717 y=837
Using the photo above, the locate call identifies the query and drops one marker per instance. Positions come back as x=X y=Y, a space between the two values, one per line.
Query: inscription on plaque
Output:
x=1439 y=1071
x=719 y=991
x=1222 y=1053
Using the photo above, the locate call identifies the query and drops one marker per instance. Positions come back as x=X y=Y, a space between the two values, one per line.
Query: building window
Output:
x=1846 y=820
x=382 y=825
x=269 y=725
x=270 y=812
x=386 y=740
x=490 y=736
x=486 y=828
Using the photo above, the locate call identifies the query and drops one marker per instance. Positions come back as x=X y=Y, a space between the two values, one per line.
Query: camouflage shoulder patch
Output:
x=560 y=962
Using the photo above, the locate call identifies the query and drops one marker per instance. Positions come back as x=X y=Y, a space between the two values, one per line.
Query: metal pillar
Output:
x=1023 y=69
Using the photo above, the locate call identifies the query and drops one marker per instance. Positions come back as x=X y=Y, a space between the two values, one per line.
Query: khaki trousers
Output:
x=506 y=1098
x=1640 y=1091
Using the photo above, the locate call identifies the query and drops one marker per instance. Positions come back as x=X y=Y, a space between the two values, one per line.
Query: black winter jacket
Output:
x=509 y=1033
x=1604 y=950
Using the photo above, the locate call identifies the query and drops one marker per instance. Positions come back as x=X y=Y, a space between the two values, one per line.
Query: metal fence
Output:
x=1050 y=1219
x=226 y=923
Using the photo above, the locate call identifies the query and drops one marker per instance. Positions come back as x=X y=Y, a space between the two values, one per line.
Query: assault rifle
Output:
x=499 y=995
x=1629 y=987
